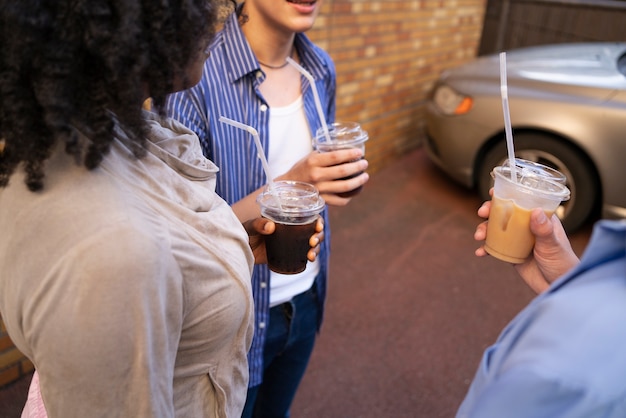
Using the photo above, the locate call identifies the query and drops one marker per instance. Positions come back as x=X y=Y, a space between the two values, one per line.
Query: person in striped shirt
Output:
x=248 y=79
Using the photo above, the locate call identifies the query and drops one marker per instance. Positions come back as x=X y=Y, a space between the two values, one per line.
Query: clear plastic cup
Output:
x=508 y=230
x=342 y=135
x=294 y=207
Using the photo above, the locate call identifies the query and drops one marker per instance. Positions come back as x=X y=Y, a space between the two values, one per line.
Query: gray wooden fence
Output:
x=517 y=23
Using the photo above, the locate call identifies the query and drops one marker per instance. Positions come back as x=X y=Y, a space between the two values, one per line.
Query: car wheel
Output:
x=581 y=177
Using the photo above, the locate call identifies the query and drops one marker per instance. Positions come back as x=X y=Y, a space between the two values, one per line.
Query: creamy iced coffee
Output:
x=508 y=230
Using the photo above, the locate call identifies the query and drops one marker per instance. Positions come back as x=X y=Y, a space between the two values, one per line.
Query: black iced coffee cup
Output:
x=294 y=207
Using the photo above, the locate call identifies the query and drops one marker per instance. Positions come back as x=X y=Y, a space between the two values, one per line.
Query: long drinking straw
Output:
x=507 y=116
x=259 y=149
x=318 y=103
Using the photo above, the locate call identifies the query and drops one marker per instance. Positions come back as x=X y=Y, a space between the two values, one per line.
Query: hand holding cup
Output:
x=516 y=193
x=259 y=228
x=324 y=171
x=552 y=254
x=342 y=136
x=294 y=207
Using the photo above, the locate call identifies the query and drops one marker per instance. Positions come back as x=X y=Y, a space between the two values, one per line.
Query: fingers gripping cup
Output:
x=508 y=230
x=294 y=207
x=341 y=135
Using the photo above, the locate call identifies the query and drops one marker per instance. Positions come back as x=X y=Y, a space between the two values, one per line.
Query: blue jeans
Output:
x=288 y=346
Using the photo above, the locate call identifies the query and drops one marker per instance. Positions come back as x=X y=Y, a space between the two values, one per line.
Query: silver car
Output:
x=568 y=111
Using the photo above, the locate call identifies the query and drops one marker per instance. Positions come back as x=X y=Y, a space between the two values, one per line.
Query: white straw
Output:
x=507 y=116
x=259 y=147
x=316 y=96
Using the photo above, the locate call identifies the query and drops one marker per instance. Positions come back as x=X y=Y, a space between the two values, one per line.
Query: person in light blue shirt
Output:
x=248 y=79
x=564 y=354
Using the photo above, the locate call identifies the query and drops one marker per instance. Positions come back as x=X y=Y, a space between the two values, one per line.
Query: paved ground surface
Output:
x=410 y=307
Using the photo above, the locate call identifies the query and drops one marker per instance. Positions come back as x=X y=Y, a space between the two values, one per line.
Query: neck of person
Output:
x=270 y=47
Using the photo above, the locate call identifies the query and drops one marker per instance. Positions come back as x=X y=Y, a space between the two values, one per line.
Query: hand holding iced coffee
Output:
x=259 y=228
x=295 y=208
x=324 y=170
x=341 y=136
x=521 y=188
x=516 y=193
x=552 y=255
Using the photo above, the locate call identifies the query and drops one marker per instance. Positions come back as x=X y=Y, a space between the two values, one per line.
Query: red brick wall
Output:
x=387 y=53
x=13 y=364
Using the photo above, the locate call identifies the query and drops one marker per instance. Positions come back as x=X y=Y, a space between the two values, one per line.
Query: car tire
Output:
x=581 y=177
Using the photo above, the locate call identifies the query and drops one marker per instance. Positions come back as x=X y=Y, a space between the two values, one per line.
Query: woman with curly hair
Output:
x=125 y=278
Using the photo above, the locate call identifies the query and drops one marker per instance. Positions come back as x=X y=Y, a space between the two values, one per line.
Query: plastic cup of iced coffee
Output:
x=508 y=230
x=294 y=207
x=341 y=135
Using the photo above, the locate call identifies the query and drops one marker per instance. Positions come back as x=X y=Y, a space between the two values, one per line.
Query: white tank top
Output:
x=290 y=141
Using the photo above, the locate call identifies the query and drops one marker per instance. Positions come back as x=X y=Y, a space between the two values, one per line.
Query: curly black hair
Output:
x=74 y=65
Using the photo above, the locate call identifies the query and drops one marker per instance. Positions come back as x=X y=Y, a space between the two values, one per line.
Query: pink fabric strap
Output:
x=34 y=407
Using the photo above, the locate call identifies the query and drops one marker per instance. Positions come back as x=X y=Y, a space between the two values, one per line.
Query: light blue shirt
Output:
x=230 y=87
x=564 y=355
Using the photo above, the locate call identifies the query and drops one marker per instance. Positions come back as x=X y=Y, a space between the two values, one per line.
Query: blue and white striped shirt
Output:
x=230 y=87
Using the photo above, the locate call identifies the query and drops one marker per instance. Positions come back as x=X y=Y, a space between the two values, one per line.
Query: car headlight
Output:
x=451 y=102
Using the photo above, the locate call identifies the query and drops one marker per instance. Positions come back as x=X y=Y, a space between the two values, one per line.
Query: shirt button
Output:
x=263 y=285
x=263 y=108
x=261 y=325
